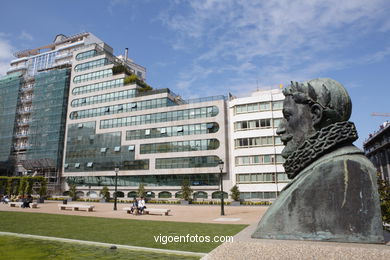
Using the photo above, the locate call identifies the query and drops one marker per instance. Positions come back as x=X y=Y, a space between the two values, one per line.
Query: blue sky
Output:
x=208 y=47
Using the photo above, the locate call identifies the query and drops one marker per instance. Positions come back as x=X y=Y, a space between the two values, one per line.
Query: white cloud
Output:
x=5 y=55
x=272 y=41
x=26 y=36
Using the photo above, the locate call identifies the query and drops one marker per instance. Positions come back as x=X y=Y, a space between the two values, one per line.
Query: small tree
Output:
x=186 y=191
x=43 y=188
x=105 y=193
x=72 y=191
x=141 y=190
x=384 y=197
x=235 y=193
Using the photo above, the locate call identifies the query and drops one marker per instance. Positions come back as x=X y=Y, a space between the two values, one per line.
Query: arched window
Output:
x=120 y=194
x=178 y=195
x=200 y=195
x=150 y=194
x=92 y=194
x=165 y=195
x=217 y=195
x=132 y=194
x=79 y=194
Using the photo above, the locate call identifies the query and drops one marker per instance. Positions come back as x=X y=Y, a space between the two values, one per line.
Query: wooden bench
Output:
x=161 y=212
x=76 y=207
x=19 y=204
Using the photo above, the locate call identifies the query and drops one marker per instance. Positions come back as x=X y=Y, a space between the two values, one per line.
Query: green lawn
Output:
x=15 y=248
x=116 y=231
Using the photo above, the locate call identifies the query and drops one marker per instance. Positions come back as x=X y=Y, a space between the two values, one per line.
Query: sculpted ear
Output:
x=316 y=114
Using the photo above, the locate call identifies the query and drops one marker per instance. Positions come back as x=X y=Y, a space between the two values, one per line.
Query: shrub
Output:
x=104 y=193
x=72 y=191
x=141 y=190
x=130 y=79
x=186 y=190
x=235 y=193
x=117 y=69
x=384 y=198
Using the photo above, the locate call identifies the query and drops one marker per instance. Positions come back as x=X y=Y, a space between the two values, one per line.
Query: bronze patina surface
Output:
x=333 y=193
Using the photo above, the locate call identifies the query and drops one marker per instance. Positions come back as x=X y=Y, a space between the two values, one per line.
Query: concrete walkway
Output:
x=245 y=247
x=92 y=243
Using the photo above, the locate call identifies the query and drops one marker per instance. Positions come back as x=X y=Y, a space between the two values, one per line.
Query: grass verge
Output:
x=15 y=248
x=117 y=231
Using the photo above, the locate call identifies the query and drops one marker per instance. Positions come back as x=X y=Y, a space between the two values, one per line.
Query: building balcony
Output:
x=24 y=112
x=26 y=100
x=27 y=88
x=63 y=55
x=21 y=135
x=24 y=122
x=20 y=147
x=16 y=68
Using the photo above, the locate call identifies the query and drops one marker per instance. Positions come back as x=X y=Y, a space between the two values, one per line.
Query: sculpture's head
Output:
x=310 y=106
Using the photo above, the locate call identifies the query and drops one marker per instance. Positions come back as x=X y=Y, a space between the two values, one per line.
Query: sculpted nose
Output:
x=281 y=128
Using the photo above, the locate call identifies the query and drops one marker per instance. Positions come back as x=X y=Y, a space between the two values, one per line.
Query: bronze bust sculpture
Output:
x=333 y=192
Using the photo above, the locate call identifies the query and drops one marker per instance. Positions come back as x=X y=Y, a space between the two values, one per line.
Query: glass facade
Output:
x=86 y=54
x=41 y=62
x=180 y=146
x=253 y=124
x=259 y=159
x=9 y=92
x=277 y=105
x=92 y=64
x=258 y=107
x=267 y=177
x=130 y=93
x=186 y=114
x=147 y=180
x=115 y=83
x=121 y=108
x=187 y=162
x=257 y=141
x=47 y=127
x=258 y=195
x=93 y=75
x=87 y=151
x=277 y=121
x=193 y=129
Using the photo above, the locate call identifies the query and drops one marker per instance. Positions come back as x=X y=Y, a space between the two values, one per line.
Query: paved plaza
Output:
x=179 y=213
x=243 y=247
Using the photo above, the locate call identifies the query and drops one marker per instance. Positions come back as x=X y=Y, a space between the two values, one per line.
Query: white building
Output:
x=256 y=163
x=154 y=137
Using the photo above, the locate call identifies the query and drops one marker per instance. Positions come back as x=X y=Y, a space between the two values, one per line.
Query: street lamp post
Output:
x=116 y=186
x=220 y=164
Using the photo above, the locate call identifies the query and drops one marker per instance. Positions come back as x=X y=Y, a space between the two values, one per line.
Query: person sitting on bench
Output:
x=27 y=201
x=141 y=205
x=134 y=207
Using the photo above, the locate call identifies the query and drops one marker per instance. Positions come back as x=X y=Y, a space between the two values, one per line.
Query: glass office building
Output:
x=152 y=136
x=33 y=107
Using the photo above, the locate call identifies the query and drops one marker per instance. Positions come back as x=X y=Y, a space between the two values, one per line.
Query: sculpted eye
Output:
x=286 y=115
